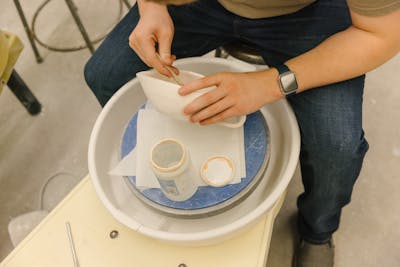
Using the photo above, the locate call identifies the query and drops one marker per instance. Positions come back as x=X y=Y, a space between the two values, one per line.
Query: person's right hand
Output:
x=155 y=26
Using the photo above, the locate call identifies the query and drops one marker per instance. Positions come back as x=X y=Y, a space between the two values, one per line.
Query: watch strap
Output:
x=282 y=68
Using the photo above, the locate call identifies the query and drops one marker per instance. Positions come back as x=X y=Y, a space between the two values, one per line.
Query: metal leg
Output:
x=78 y=22
x=22 y=92
x=220 y=52
x=28 y=31
x=127 y=4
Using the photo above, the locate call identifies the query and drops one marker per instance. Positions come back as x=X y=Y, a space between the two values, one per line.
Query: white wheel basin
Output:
x=117 y=197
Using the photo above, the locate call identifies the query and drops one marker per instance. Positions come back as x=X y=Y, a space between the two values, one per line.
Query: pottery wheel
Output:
x=209 y=200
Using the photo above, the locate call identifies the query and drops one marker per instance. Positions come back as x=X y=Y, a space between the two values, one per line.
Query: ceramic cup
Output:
x=171 y=164
x=163 y=94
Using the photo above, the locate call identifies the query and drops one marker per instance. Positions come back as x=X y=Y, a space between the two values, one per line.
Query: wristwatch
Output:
x=287 y=80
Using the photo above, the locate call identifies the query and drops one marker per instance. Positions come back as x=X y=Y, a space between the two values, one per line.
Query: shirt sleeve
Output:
x=373 y=7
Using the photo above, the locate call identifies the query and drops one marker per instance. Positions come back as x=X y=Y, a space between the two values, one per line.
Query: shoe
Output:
x=311 y=255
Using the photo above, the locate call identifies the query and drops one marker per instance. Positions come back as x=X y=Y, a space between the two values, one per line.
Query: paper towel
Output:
x=201 y=141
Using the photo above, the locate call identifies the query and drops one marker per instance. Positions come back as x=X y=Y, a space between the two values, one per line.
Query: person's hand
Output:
x=154 y=27
x=235 y=94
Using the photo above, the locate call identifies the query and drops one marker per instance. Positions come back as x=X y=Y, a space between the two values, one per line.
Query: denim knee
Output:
x=94 y=79
x=343 y=146
x=337 y=158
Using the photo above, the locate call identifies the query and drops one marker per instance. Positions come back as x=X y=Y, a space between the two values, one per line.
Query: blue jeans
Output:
x=330 y=117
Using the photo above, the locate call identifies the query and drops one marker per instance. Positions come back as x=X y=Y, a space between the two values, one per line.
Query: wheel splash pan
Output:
x=125 y=207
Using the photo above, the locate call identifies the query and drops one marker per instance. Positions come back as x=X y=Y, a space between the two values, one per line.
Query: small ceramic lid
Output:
x=217 y=171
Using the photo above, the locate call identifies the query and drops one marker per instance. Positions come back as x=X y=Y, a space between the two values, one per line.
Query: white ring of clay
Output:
x=177 y=165
x=226 y=180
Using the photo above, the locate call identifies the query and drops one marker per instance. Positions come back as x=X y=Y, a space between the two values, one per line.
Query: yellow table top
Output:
x=91 y=223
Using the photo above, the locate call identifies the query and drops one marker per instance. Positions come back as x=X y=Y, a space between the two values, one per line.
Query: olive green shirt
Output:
x=268 y=8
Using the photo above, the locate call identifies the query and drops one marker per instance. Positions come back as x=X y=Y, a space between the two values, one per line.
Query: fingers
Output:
x=208 y=81
x=151 y=57
x=212 y=110
x=144 y=46
x=173 y=58
x=164 y=47
x=205 y=100
x=167 y=66
x=230 y=112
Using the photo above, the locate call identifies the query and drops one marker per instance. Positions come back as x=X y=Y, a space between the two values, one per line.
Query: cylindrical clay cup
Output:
x=170 y=162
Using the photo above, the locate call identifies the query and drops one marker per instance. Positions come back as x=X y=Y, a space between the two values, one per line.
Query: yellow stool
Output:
x=10 y=49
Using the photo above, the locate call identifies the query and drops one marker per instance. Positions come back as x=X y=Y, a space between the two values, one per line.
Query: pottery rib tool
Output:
x=174 y=76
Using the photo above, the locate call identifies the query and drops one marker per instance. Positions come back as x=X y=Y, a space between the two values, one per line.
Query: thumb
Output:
x=164 y=49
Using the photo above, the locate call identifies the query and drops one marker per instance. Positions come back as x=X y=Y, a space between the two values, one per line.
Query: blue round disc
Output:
x=255 y=141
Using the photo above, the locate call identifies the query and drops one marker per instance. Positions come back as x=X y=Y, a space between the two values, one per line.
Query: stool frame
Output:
x=74 y=12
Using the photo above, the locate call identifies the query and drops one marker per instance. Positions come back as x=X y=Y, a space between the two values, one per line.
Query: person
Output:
x=318 y=52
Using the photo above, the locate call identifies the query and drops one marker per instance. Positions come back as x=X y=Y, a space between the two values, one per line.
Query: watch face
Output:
x=288 y=82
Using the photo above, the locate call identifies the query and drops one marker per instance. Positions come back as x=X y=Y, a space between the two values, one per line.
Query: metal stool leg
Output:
x=127 y=4
x=220 y=52
x=24 y=95
x=28 y=31
x=78 y=22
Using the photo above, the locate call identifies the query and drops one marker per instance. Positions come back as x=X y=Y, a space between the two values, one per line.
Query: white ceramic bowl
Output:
x=104 y=154
x=162 y=92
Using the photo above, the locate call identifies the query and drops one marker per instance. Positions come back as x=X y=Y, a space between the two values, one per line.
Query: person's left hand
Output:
x=235 y=94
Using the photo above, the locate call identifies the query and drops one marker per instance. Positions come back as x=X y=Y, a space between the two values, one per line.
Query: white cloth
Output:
x=201 y=141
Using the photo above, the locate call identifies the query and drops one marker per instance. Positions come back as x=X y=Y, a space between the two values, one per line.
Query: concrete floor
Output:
x=34 y=148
